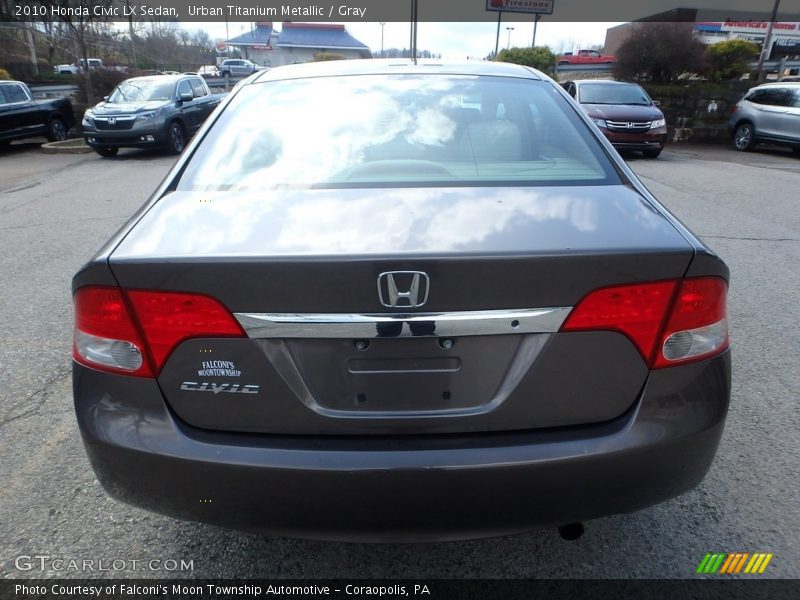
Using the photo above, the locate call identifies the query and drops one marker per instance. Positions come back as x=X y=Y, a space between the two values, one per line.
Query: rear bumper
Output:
x=403 y=488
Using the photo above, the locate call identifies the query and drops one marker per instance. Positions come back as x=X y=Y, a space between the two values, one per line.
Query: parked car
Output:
x=23 y=117
x=237 y=67
x=400 y=301
x=624 y=112
x=159 y=110
x=208 y=71
x=767 y=113
x=78 y=67
x=585 y=57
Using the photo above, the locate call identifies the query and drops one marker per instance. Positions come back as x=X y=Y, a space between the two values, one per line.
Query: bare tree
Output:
x=659 y=53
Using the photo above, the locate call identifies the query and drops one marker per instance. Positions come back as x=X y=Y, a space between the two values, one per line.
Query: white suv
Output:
x=767 y=113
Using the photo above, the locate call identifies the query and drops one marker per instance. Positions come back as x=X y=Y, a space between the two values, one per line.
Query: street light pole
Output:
x=508 y=43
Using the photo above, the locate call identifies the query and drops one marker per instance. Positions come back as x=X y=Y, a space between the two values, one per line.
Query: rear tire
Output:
x=176 y=138
x=744 y=138
x=107 y=151
x=56 y=130
x=652 y=153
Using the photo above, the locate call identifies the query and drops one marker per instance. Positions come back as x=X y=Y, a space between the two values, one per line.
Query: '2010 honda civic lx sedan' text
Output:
x=379 y=300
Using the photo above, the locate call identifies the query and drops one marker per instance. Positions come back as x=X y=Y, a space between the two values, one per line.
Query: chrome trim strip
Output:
x=361 y=326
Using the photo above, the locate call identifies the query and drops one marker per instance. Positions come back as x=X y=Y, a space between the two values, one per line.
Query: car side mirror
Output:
x=656 y=103
x=185 y=96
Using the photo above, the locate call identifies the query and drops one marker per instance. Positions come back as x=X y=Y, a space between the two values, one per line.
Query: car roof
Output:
x=396 y=66
x=778 y=84
x=162 y=77
x=614 y=81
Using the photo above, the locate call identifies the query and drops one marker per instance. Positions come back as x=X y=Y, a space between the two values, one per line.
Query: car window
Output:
x=14 y=93
x=184 y=87
x=796 y=99
x=613 y=93
x=198 y=88
x=381 y=130
x=772 y=97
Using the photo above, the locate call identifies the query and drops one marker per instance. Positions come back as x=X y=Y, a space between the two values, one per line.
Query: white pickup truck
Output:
x=74 y=69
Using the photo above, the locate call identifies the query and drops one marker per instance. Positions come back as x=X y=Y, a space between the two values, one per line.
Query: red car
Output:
x=624 y=112
x=582 y=57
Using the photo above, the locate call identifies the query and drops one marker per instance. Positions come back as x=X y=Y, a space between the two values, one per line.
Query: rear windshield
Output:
x=378 y=130
x=614 y=93
x=142 y=90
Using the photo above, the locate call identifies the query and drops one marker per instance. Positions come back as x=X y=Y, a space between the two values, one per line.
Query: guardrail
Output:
x=571 y=68
x=64 y=89
x=770 y=66
x=53 y=91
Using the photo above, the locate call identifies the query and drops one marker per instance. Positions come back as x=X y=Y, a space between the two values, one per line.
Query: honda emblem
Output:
x=403 y=289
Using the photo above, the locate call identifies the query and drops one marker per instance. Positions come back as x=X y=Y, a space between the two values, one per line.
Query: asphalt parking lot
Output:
x=56 y=210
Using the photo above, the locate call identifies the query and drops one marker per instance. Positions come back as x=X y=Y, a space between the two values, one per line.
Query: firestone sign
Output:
x=539 y=7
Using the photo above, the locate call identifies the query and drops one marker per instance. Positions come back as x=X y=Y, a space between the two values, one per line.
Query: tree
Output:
x=659 y=53
x=729 y=59
x=323 y=56
x=540 y=57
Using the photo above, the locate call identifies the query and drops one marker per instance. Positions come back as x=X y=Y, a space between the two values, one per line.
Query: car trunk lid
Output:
x=291 y=256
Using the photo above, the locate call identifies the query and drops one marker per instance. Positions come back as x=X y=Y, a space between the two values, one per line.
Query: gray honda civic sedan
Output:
x=379 y=300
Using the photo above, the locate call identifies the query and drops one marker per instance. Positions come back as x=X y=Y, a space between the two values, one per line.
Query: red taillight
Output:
x=168 y=318
x=135 y=331
x=669 y=322
x=635 y=310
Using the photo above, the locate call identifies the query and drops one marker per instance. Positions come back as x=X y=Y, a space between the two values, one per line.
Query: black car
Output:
x=380 y=300
x=23 y=117
x=159 y=110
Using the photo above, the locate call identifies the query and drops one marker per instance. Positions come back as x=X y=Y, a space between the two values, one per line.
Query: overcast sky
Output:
x=454 y=40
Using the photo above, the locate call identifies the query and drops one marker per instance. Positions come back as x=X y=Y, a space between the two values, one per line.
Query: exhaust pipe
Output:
x=571 y=531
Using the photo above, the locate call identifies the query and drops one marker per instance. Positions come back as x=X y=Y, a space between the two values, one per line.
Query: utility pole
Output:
x=383 y=24
x=767 y=43
x=414 y=31
x=227 y=36
x=497 y=38
x=134 y=61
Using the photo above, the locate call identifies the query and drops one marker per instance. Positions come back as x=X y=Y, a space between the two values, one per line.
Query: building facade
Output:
x=296 y=42
x=712 y=26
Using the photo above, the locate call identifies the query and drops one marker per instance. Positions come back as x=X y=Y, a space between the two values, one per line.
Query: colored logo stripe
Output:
x=732 y=563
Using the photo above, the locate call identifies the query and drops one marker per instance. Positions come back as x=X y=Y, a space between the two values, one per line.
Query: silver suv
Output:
x=767 y=113
x=234 y=67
